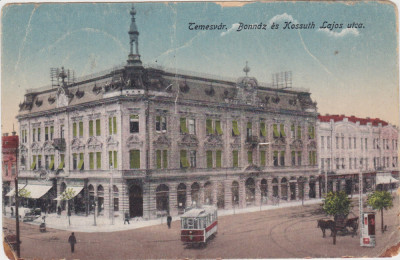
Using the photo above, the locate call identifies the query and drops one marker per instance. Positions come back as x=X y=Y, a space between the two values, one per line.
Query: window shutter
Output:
x=209 y=129
x=263 y=130
x=91 y=128
x=110 y=160
x=158 y=159
x=165 y=159
x=51 y=166
x=283 y=131
x=61 y=166
x=250 y=157
x=298 y=132
x=312 y=132
x=276 y=154
x=80 y=129
x=115 y=160
x=262 y=158
x=33 y=165
x=110 y=125
x=80 y=165
x=51 y=129
x=184 y=129
x=115 y=125
x=184 y=161
x=235 y=156
x=276 y=133
x=46 y=130
x=74 y=132
x=249 y=125
x=218 y=159
x=136 y=159
x=98 y=130
x=91 y=161
x=235 y=128
x=218 y=127
x=209 y=159
x=98 y=160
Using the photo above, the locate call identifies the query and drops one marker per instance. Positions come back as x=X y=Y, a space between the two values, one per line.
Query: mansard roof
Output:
x=353 y=119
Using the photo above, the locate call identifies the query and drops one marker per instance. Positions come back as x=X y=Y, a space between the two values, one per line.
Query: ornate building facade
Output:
x=147 y=141
x=349 y=144
x=9 y=162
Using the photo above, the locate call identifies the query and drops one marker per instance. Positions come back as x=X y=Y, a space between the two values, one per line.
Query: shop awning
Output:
x=385 y=179
x=12 y=192
x=37 y=191
x=76 y=191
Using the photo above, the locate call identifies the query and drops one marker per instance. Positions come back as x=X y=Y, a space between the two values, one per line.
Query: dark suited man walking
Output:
x=72 y=241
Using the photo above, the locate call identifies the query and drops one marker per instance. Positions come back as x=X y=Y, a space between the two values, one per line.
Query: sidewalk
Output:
x=103 y=223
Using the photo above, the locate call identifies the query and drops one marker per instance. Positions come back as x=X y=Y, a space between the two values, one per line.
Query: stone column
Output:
x=317 y=190
x=201 y=195
x=257 y=193
x=214 y=193
x=242 y=194
x=306 y=190
x=297 y=190
x=188 y=195
x=173 y=200
x=107 y=201
x=269 y=190
x=279 y=188
x=228 y=194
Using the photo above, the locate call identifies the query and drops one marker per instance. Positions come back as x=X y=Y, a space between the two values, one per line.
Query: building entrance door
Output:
x=135 y=201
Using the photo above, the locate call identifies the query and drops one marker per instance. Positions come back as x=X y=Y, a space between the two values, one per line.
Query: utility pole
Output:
x=360 y=204
x=17 y=249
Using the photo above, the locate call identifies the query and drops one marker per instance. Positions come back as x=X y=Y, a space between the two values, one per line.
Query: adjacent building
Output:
x=349 y=144
x=147 y=141
x=9 y=163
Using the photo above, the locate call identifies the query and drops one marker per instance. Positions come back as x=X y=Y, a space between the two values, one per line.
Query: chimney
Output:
x=5 y=134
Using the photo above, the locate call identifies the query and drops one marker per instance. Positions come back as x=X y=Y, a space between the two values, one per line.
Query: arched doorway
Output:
x=100 y=199
x=275 y=188
x=220 y=195
x=312 y=191
x=284 y=189
x=235 y=193
x=135 y=201
x=208 y=193
x=250 y=191
x=264 y=191
x=181 y=194
x=195 y=193
x=292 y=187
x=162 y=198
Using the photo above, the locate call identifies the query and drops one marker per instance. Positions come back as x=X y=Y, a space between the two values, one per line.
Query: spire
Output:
x=133 y=58
x=246 y=69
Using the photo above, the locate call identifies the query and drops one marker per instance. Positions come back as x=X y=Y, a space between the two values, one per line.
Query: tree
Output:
x=24 y=193
x=68 y=194
x=336 y=204
x=380 y=200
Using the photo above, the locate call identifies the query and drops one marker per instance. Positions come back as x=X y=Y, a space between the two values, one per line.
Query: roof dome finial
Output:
x=246 y=69
x=133 y=58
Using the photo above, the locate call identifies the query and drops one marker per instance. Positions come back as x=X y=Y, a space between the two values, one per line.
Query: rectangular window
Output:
x=165 y=159
x=134 y=124
x=81 y=165
x=112 y=125
x=322 y=164
x=158 y=159
x=275 y=158
x=46 y=162
x=328 y=142
x=61 y=165
x=366 y=144
x=263 y=129
x=235 y=128
x=116 y=204
x=218 y=159
x=337 y=142
x=292 y=131
x=61 y=131
x=342 y=142
x=51 y=166
x=310 y=159
x=115 y=125
x=112 y=159
x=342 y=163
x=337 y=163
x=51 y=132
x=282 y=132
x=293 y=158
x=98 y=129
x=192 y=159
x=235 y=158
x=355 y=143
x=134 y=159
x=209 y=127
x=328 y=162
x=74 y=130
x=33 y=165
x=46 y=133
x=311 y=132
x=192 y=126
x=322 y=141
x=218 y=127
x=183 y=159
x=184 y=129
x=115 y=159
x=33 y=135
x=250 y=157
x=161 y=123
x=262 y=158
x=249 y=130
x=349 y=142
x=39 y=161
x=13 y=169
x=298 y=132
x=282 y=159
x=91 y=128
x=298 y=158
x=209 y=156
x=74 y=161
x=38 y=134
x=81 y=129
x=98 y=160
x=275 y=131
x=91 y=160
x=350 y=163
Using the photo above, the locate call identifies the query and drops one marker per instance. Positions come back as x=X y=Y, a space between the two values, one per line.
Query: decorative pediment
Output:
x=162 y=140
x=296 y=144
x=23 y=149
x=48 y=147
x=279 y=142
x=213 y=140
x=36 y=148
x=236 y=142
x=76 y=144
x=94 y=143
x=312 y=145
x=111 y=140
x=134 y=140
x=253 y=168
x=188 y=140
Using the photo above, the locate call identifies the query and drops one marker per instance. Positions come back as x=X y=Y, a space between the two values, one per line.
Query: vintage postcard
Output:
x=200 y=130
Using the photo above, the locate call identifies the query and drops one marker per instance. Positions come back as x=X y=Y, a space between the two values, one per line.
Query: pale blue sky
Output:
x=353 y=72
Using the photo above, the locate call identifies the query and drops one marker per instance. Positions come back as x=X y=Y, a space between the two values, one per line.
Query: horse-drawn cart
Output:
x=343 y=225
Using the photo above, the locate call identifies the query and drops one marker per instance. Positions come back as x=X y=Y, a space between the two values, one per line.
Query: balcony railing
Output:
x=59 y=144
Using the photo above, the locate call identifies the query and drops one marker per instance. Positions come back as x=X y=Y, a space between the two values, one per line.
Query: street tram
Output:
x=198 y=225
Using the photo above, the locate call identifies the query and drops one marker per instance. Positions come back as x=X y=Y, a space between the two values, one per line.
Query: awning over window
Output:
x=76 y=191
x=385 y=179
x=37 y=191
x=12 y=192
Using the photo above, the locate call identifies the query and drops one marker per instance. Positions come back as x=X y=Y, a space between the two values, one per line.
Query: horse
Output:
x=352 y=223
x=326 y=224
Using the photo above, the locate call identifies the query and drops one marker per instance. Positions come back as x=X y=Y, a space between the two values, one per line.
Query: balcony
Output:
x=59 y=144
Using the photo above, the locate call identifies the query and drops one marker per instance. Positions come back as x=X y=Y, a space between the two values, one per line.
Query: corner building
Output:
x=149 y=141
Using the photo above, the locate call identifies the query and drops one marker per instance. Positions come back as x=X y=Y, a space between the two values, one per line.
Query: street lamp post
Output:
x=360 y=203
x=112 y=195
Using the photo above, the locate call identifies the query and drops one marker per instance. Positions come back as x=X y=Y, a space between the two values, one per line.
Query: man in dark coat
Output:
x=126 y=218
x=72 y=241
x=169 y=220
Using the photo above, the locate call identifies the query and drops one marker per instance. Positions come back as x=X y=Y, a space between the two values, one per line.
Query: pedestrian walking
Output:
x=59 y=211
x=169 y=220
x=72 y=241
x=12 y=212
x=126 y=218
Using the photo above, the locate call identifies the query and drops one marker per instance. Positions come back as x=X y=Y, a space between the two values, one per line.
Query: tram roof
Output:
x=199 y=212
